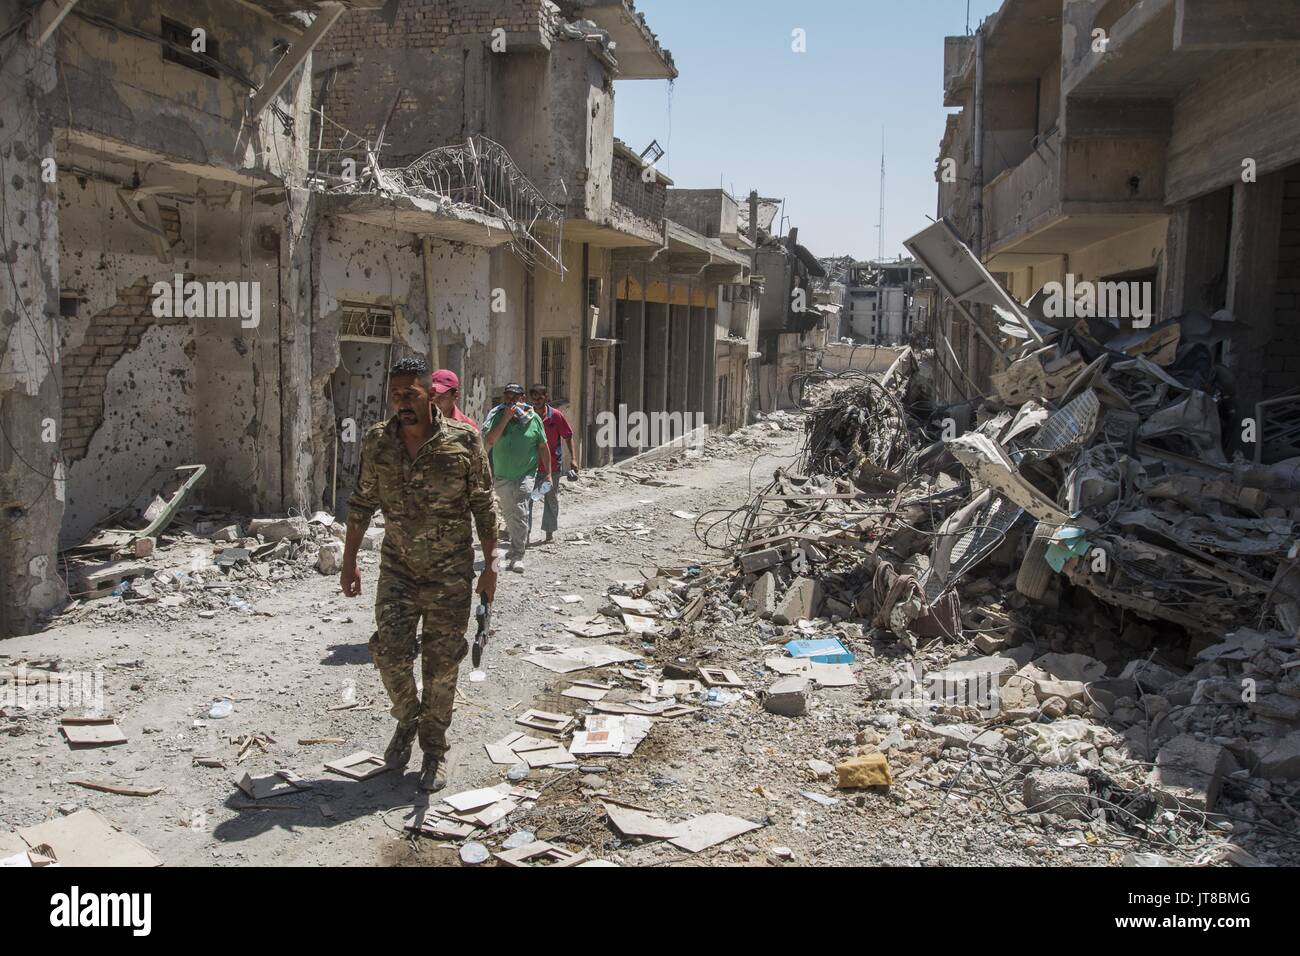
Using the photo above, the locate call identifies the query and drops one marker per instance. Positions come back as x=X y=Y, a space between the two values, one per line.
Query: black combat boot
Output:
x=398 y=753
x=433 y=773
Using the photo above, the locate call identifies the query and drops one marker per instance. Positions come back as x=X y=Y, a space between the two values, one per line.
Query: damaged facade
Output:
x=181 y=167
x=255 y=209
x=887 y=303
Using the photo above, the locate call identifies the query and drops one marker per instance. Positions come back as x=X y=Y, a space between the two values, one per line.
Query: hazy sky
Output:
x=748 y=112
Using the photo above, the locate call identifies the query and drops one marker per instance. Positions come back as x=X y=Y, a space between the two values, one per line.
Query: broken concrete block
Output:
x=1046 y=686
x=1190 y=772
x=1059 y=792
x=991 y=643
x=1151 y=677
x=994 y=670
x=143 y=547
x=330 y=559
x=279 y=529
x=821 y=769
x=1054 y=707
x=1071 y=667
x=229 y=533
x=801 y=602
x=1276 y=759
x=833 y=608
x=762 y=600
x=970 y=737
x=867 y=770
x=1017 y=694
x=1107 y=692
x=1022 y=654
x=756 y=561
x=1278 y=707
x=787 y=697
x=373 y=540
x=1068 y=690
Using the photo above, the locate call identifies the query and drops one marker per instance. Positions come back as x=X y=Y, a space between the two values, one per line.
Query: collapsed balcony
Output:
x=469 y=192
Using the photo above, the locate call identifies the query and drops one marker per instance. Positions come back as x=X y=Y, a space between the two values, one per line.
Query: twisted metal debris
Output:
x=481 y=174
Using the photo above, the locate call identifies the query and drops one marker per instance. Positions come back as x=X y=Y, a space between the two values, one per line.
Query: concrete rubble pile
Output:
x=202 y=563
x=1078 y=606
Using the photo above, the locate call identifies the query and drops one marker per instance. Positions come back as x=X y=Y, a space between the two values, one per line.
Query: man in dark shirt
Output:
x=557 y=430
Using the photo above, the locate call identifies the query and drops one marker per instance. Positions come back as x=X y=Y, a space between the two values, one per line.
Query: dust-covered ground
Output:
x=297 y=668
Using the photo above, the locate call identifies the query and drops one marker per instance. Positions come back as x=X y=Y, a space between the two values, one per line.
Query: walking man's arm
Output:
x=361 y=508
x=483 y=506
x=490 y=436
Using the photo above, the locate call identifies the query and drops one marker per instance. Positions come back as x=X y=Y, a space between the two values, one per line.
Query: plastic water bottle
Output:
x=541 y=491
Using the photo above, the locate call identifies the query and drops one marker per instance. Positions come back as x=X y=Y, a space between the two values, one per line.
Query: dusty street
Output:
x=304 y=652
x=295 y=665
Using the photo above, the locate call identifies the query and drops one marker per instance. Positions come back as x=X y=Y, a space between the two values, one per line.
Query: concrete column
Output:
x=701 y=366
x=31 y=405
x=296 y=308
x=631 y=372
x=679 y=364
x=656 y=357
x=1252 y=282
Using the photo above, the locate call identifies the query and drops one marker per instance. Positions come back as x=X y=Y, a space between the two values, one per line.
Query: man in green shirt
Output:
x=516 y=439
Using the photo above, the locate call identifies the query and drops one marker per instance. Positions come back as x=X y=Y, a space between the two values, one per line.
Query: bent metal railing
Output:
x=480 y=173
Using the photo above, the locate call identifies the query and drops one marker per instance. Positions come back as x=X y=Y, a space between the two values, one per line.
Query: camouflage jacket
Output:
x=427 y=502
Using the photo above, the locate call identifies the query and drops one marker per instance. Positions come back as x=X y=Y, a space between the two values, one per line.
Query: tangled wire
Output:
x=860 y=432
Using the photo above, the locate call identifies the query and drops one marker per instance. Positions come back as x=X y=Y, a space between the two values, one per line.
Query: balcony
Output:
x=1021 y=40
x=710 y=212
x=1069 y=194
x=637 y=49
x=1156 y=49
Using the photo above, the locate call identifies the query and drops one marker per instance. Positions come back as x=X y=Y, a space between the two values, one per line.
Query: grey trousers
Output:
x=550 y=509
x=514 y=501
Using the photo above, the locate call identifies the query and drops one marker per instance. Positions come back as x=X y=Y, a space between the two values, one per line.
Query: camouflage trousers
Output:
x=444 y=607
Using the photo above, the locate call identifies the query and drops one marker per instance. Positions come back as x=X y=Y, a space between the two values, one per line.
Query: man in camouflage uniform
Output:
x=428 y=475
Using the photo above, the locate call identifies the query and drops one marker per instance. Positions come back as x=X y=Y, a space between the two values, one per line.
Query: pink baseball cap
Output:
x=444 y=380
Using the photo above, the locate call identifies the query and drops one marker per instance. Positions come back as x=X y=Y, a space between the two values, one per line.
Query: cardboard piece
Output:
x=638 y=606
x=833 y=675
x=92 y=731
x=827 y=675
x=500 y=751
x=596 y=625
x=539 y=853
x=563 y=660
x=635 y=824
x=272 y=784
x=637 y=624
x=536 y=752
x=608 y=741
x=700 y=833
x=477 y=799
x=678 y=710
x=544 y=720
x=620 y=734
x=578 y=692
x=547 y=757
x=645 y=708
x=440 y=828
x=720 y=677
x=361 y=765
x=85 y=838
